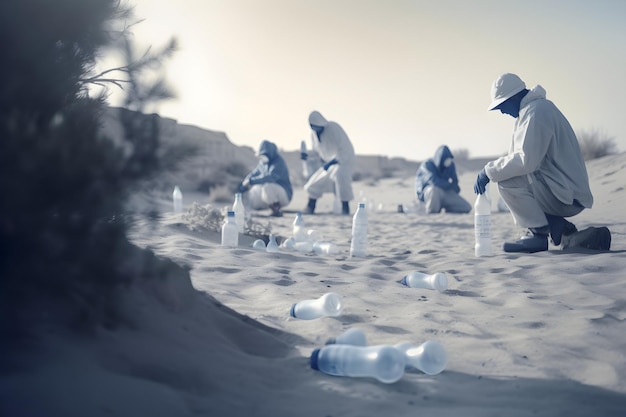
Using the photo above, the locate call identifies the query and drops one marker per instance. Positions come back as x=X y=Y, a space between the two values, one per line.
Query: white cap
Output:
x=505 y=87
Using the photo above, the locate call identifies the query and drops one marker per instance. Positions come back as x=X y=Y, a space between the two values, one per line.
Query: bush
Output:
x=237 y=169
x=62 y=238
x=461 y=155
x=595 y=144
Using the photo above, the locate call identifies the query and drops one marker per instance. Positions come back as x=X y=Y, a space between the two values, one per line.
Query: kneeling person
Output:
x=268 y=185
x=437 y=184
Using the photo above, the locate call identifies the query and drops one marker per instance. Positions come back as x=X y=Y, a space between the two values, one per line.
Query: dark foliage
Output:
x=595 y=144
x=61 y=238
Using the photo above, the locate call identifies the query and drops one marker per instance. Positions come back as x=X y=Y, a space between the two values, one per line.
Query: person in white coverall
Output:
x=543 y=178
x=333 y=146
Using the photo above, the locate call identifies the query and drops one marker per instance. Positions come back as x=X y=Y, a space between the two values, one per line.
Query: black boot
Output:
x=345 y=207
x=310 y=207
x=559 y=227
x=536 y=240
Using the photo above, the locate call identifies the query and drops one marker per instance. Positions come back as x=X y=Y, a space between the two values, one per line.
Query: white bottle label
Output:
x=482 y=223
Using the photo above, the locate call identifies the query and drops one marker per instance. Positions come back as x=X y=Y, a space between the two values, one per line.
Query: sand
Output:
x=525 y=334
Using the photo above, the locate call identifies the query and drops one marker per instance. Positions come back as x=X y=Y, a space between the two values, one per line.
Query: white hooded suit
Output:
x=333 y=143
x=544 y=171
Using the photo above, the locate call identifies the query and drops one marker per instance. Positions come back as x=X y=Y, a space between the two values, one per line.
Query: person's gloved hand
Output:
x=303 y=156
x=244 y=186
x=481 y=182
x=329 y=164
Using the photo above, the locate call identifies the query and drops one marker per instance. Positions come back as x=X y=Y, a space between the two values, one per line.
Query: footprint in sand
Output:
x=284 y=282
x=221 y=269
x=376 y=275
x=391 y=329
x=531 y=325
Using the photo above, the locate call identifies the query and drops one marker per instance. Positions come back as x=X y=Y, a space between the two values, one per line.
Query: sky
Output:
x=402 y=77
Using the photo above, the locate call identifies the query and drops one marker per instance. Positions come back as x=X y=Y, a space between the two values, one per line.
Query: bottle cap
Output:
x=292 y=312
x=231 y=214
x=314 y=356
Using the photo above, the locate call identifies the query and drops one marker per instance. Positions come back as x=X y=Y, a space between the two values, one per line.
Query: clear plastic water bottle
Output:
x=230 y=234
x=329 y=305
x=305 y=246
x=288 y=243
x=482 y=226
x=314 y=235
x=299 y=228
x=429 y=357
x=240 y=212
x=437 y=281
x=383 y=362
x=324 y=248
x=177 y=196
x=353 y=336
x=305 y=164
x=272 y=245
x=259 y=244
x=358 y=245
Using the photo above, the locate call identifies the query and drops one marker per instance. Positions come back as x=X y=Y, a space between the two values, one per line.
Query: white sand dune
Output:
x=526 y=335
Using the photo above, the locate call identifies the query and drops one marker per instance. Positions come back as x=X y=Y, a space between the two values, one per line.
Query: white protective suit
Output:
x=544 y=171
x=333 y=144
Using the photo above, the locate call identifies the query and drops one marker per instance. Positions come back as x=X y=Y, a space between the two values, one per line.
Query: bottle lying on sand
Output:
x=383 y=362
x=437 y=281
x=353 y=336
x=430 y=357
x=328 y=304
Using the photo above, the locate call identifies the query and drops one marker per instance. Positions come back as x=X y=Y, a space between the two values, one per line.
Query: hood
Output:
x=535 y=93
x=269 y=149
x=441 y=154
x=316 y=119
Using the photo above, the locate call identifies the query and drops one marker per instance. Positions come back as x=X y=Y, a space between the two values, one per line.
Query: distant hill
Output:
x=218 y=164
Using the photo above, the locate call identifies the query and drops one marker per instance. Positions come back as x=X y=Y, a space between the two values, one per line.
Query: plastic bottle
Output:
x=314 y=235
x=429 y=357
x=240 y=212
x=272 y=246
x=328 y=304
x=324 y=248
x=259 y=244
x=288 y=243
x=177 y=196
x=299 y=228
x=305 y=246
x=353 y=336
x=383 y=362
x=482 y=226
x=230 y=234
x=305 y=164
x=437 y=281
x=358 y=245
